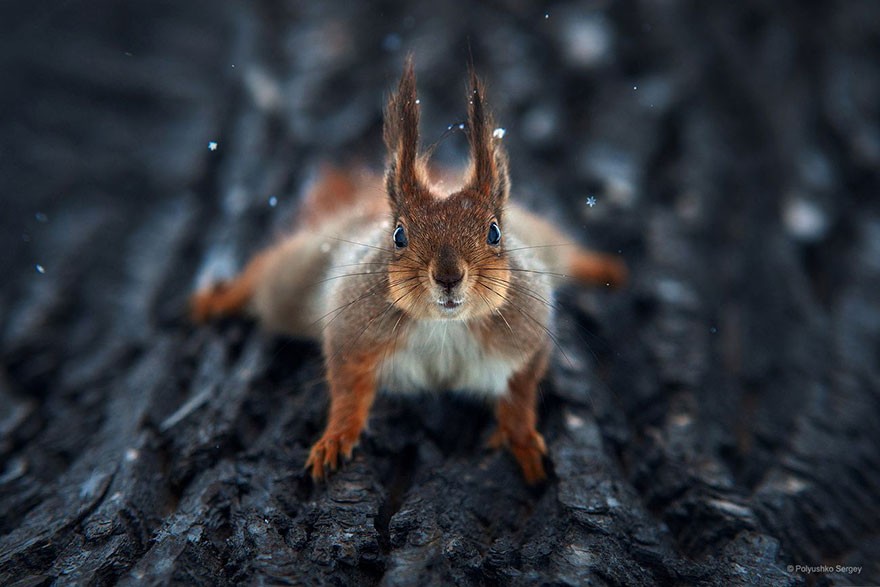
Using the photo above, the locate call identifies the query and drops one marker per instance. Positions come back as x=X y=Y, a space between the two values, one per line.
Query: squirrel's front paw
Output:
x=528 y=449
x=325 y=454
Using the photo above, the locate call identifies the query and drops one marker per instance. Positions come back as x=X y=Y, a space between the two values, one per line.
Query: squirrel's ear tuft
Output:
x=405 y=176
x=488 y=173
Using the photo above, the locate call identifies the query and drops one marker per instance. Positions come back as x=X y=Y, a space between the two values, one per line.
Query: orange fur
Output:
x=344 y=277
x=338 y=191
x=597 y=268
x=352 y=389
x=517 y=420
x=230 y=297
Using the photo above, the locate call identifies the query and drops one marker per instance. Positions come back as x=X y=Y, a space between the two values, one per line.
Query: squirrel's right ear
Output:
x=488 y=173
x=405 y=176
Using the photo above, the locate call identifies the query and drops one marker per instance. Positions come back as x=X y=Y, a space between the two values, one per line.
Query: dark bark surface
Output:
x=715 y=423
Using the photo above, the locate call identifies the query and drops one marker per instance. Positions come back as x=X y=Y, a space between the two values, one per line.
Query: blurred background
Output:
x=730 y=151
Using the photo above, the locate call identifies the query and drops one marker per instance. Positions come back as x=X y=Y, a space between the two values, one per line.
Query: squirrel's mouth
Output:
x=449 y=305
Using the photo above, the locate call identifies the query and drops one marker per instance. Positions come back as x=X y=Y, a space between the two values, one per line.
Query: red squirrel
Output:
x=410 y=289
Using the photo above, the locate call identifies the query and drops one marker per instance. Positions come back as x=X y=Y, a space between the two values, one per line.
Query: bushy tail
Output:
x=339 y=190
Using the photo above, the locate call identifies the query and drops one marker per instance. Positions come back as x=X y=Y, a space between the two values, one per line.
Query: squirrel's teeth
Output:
x=448 y=304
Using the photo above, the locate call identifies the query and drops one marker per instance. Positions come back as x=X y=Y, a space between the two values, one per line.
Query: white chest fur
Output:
x=443 y=354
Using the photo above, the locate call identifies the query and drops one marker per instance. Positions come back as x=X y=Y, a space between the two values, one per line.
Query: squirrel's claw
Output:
x=328 y=453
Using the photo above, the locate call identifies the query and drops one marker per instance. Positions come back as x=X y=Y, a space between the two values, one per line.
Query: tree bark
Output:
x=715 y=423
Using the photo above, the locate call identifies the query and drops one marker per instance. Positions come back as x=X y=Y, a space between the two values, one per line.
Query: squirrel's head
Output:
x=448 y=258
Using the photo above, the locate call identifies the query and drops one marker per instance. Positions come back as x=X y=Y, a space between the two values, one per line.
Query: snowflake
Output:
x=212 y=145
x=591 y=201
x=498 y=133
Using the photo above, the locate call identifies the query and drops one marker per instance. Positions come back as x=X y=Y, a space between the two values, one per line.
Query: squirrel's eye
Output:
x=494 y=237
x=400 y=239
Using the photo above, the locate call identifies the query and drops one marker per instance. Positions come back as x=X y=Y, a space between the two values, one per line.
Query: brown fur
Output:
x=596 y=268
x=337 y=192
x=341 y=278
x=228 y=298
x=352 y=389
x=517 y=420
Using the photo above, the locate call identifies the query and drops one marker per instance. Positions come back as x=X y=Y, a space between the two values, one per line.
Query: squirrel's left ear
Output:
x=488 y=168
x=405 y=174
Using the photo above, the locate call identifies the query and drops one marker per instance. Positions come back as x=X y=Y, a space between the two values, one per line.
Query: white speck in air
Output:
x=498 y=133
x=41 y=217
x=635 y=87
x=40 y=268
x=546 y=15
x=573 y=421
x=233 y=66
x=128 y=53
x=273 y=201
x=805 y=219
x=591 y=201
x=418 y=101
x=212 y=146
x=713 y=330
x=461 y=126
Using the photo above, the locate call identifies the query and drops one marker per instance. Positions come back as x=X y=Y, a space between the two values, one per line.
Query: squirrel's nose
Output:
x=449 y=278
x=447 y=270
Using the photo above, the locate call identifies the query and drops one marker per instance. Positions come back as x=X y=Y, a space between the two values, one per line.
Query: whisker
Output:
x=367 y=294
x=533 y=319
x=533 y=294
x=506 y=323
x=393 y=346
x=569 y=244
x=521 y=288
x=550 y=273
x=340 y=309
x=359 y=244
x=559 y=312
x=358 y=264
x=326 y=279
x=378 y=316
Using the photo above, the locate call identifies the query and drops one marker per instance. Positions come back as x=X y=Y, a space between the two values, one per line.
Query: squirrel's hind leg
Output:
x=518 y=418
x=227 y=298
x=597 y=268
